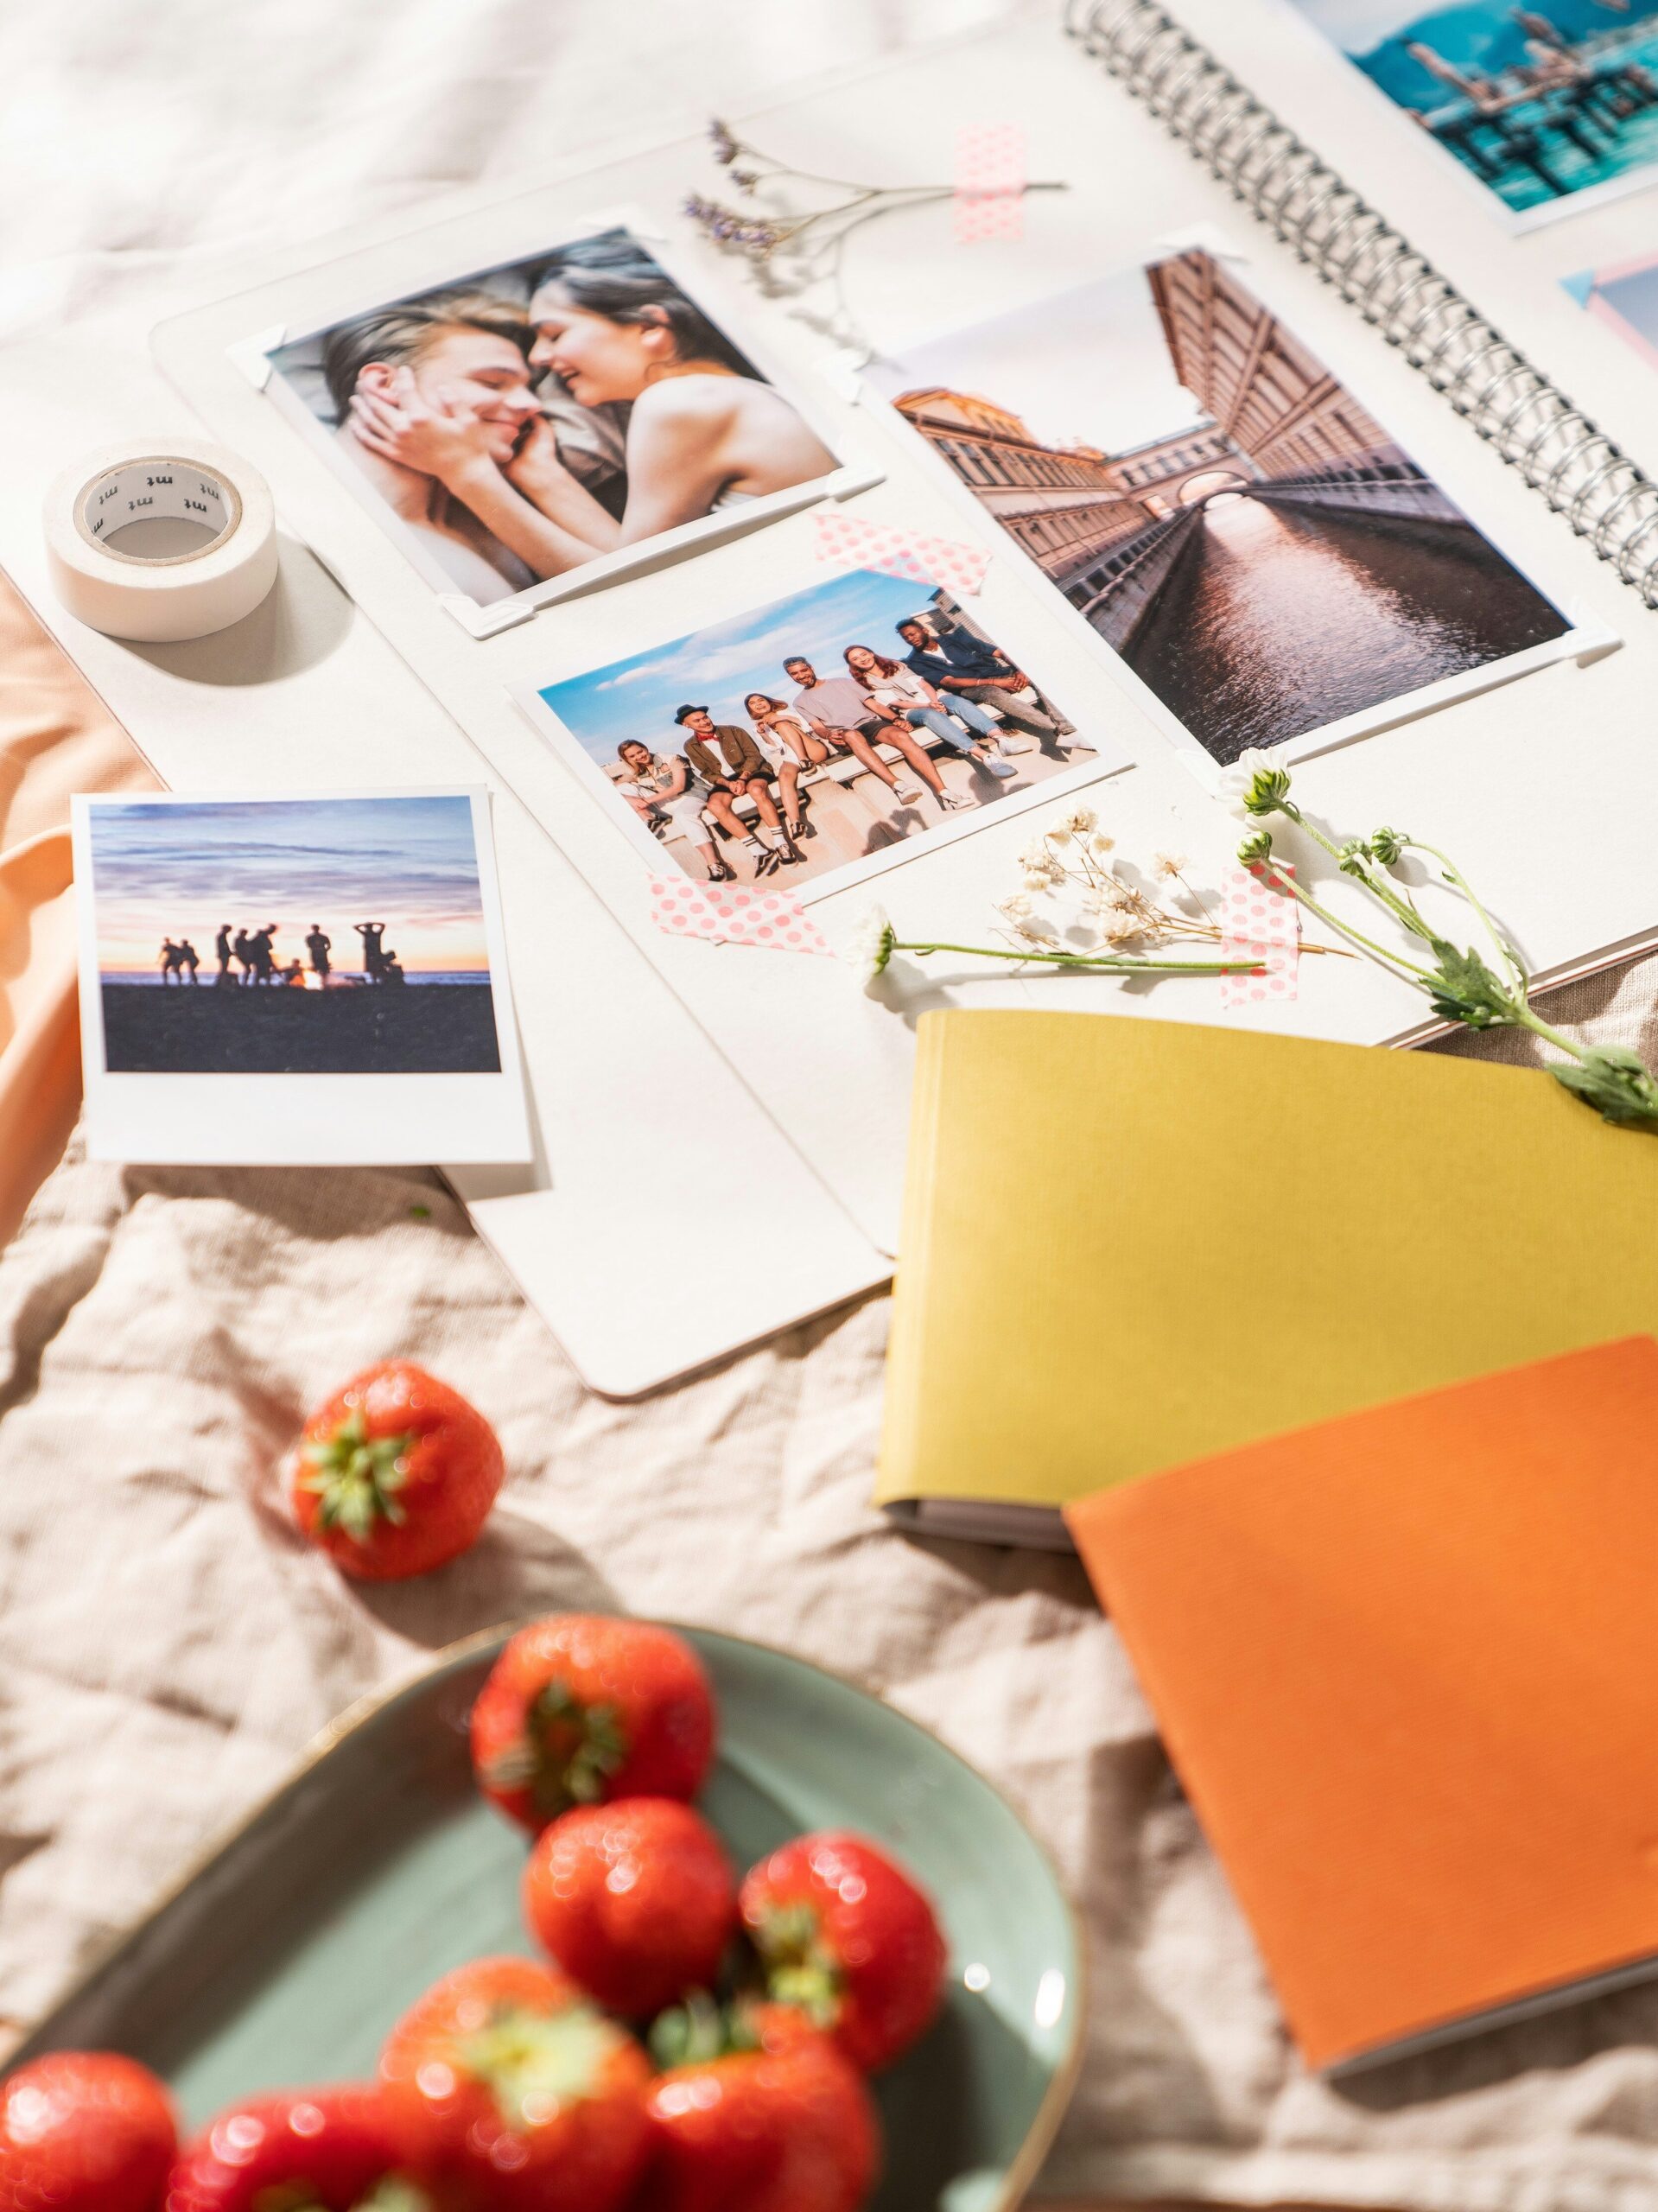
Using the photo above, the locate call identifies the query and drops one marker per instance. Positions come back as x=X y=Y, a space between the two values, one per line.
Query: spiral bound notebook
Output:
x=1286 y=184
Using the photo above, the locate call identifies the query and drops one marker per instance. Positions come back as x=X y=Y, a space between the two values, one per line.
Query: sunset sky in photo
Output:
x=180 y=868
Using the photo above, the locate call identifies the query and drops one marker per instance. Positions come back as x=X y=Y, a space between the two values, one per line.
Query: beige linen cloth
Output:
x=167 y=1645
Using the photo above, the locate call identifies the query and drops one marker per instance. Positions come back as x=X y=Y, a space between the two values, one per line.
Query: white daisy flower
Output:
x=1256 y=783
x=872 y=944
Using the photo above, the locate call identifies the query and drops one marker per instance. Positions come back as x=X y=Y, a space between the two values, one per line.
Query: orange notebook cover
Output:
x=1406 y=1665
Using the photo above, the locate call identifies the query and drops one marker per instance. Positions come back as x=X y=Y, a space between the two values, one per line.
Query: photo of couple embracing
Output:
x=515 y=425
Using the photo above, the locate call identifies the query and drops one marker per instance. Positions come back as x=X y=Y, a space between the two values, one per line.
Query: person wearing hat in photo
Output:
x=727 y=759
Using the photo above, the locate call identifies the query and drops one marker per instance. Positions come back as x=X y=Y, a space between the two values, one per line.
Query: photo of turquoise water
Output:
x=1540 y=103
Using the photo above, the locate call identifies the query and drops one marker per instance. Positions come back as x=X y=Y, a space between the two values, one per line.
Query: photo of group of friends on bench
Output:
x=812 y=759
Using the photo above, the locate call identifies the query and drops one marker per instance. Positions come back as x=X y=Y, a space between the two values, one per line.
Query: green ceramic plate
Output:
x=283 y=1956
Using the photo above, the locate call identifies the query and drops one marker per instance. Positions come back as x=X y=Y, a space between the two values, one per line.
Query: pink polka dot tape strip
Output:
x=1259 y=924
x=990 y=172
x=856 y=541
x=733 y=914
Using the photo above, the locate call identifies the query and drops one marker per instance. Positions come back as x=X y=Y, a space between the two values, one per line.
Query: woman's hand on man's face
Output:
x=447 y=442
x=536 y=468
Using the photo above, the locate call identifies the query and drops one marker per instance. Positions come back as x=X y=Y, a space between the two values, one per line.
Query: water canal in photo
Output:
x=1276 y=621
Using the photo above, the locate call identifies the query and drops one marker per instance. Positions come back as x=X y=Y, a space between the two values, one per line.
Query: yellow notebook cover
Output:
x=1130 y=1243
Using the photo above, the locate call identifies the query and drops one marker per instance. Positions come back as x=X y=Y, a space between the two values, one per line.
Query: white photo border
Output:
x=1581 y=640
x=846 y=479
x=198 y=1119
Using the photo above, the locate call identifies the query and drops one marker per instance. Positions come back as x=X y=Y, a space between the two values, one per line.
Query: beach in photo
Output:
x=1540 y=105
x=291 y=937
x=513 y=424
x=1217 y=507
x=811 y=735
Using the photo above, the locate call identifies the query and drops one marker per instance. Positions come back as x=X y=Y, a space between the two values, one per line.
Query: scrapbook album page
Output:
x=882 y=699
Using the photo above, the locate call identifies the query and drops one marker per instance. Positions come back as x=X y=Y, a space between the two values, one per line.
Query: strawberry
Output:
x=310 y=2150
x=507 y=2091
x=845 y=1934
x=635 y=1901
x=396 y=1474
x=580 y=1709
x=84 y=2131
x=778 y=2121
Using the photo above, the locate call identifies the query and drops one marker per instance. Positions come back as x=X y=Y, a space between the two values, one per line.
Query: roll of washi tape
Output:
x=161 y=542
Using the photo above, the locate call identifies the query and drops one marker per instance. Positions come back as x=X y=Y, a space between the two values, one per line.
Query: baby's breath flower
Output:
x=1171 y=865
x=871 y=947
x=1107 y=898
x=1257 y=783
x=1029 y=925
x=1076 y=822
x=1117 y=927
x=1101 y=844
x=1015 y=907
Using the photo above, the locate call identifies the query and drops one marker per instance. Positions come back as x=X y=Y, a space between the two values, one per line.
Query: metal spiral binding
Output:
x=1582 y=474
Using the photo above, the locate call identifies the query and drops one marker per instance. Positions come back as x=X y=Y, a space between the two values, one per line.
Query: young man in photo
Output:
x=731 y=764
x=955 y=662
x=839 y=710
x=456 y=366
x=222 y=954
x=612 y=331
x=319 y=946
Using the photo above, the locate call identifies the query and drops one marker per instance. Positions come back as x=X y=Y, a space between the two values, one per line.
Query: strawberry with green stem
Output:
x=843 y=1933
x=397 y=1474
x=582 y=1709
x=757 y=2112
x=506 y=2090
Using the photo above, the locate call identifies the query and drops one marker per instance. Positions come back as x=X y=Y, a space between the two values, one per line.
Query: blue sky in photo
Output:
x=182 y=867
x=718 y=666
x=1358 y=25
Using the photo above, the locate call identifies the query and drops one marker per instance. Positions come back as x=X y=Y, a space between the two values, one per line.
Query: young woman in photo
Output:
x=659 y=785
x=704 y=431
x=894 y=690
x=462 y=357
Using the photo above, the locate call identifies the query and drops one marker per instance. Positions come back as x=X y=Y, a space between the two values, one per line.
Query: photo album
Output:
x=771 y=634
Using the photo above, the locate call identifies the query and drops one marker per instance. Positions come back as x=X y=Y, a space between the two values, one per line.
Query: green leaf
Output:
x=1464 y=990
x=1614 y=1082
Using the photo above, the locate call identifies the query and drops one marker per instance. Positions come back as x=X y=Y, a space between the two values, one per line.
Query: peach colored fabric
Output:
x=56 y=737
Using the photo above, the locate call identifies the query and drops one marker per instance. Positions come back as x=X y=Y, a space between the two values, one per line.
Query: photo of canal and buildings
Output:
x=1541 y=103
x=1221 y=510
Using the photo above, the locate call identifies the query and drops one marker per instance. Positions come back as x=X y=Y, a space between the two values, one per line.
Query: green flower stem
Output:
x=1087 y=960
x=1458 y=881
x=1524 y=1018
x=1378 y=952
x=1402 y=908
